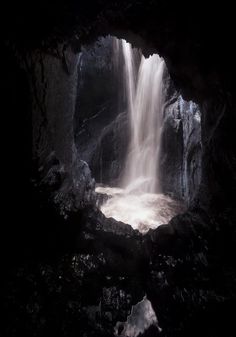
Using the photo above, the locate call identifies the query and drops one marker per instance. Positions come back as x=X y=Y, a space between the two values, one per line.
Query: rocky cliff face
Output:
x=101 y=130
x=180 y=157
x=192 y=155
x=53 y=83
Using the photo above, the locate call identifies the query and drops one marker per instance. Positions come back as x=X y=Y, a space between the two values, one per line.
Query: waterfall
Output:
x=143 y=87
x=138 y=201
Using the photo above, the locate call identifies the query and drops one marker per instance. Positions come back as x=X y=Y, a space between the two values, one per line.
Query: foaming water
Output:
x=139 y=202
x=143 y=211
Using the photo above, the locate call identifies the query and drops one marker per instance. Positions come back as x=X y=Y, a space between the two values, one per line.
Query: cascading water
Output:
x=137 y=202
x=145 y=101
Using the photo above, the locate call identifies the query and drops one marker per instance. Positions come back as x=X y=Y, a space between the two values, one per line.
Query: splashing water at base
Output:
x=138 y=203
x=142 y=211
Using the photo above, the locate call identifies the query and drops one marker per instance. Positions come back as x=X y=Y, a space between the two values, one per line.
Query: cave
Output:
x=69 y=266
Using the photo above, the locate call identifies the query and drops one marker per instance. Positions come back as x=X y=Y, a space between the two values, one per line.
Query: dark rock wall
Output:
x=101 y=128
x=108 y=159
x=218 y=188
x=16 y=153
x=53 y=88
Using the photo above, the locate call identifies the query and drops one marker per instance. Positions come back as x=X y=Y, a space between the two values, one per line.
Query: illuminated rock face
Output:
x=181 y=149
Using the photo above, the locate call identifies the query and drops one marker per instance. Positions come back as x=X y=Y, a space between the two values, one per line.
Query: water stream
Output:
x=138 y=201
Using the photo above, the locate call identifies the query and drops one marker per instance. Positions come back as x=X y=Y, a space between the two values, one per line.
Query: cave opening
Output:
x=140 y=138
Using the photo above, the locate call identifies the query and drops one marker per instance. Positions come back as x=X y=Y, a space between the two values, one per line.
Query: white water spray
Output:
x=137 y=203
x=145 y=102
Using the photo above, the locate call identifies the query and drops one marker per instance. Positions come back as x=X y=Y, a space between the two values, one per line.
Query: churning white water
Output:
x=137 y=202
x=143 y=211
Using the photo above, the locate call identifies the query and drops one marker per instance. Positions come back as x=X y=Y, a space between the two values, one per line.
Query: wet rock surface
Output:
x=181 y=149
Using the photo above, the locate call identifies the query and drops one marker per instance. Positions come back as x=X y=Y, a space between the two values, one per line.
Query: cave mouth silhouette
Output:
x=187 y=269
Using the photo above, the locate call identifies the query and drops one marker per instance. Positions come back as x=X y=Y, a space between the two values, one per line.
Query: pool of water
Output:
x=142 y=211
